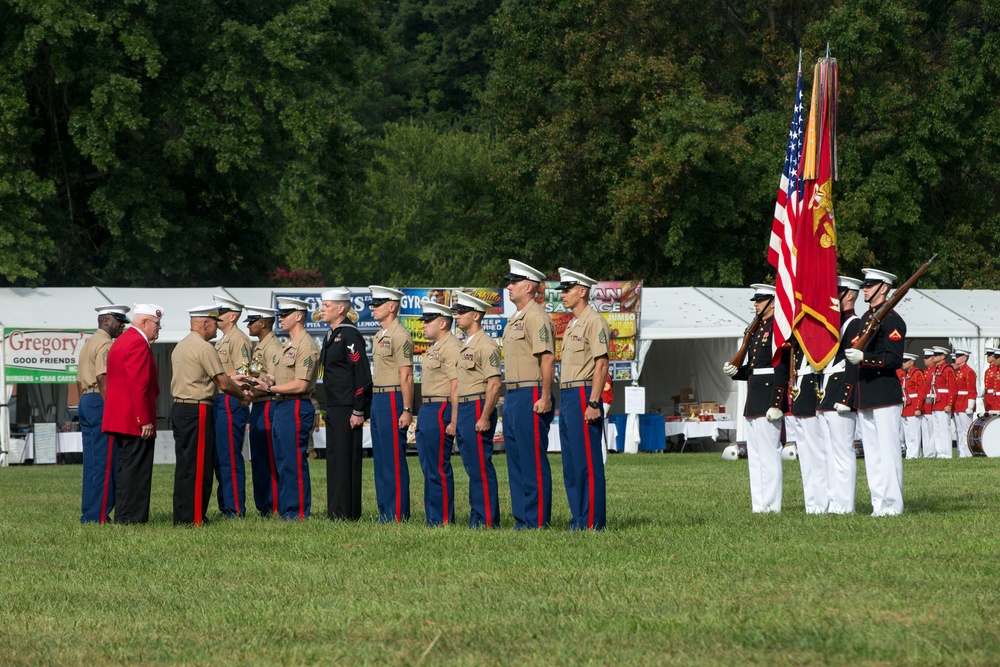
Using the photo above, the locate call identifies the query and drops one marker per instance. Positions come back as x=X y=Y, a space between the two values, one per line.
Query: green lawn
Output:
x=684 y=574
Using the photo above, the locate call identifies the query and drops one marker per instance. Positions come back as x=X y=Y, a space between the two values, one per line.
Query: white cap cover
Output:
x=569 y=279
x=876 y=274
x=148 y=309
x=467 y=301
x=520 y=270
x=288 y=303
x=227 y=302
x=850 y=283
x=204 y=311
x=336 y=294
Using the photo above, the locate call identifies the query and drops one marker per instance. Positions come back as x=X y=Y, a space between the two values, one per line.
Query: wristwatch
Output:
x=410 y=410
x=593 y=404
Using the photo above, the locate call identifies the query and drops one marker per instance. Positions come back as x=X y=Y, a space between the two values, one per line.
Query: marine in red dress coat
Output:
x=130 y=412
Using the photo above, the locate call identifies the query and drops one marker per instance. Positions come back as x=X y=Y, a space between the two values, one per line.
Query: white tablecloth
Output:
x=66 y=443
x=697 y=429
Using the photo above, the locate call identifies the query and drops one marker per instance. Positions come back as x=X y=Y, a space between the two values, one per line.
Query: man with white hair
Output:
x=767 y=401
x=130 y=412
x=941 y=390
x=347 y=384
x=965 y=400
x=880 y=400
x=838 y=391
x=100 y=454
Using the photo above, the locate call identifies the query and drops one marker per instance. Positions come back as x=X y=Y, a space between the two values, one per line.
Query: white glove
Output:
x=971 y=410
x=854 y=356
x=841 y=408
x=773 y=414
x=729 y=369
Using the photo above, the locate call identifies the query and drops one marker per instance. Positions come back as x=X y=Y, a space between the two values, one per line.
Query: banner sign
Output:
x=618 y=302
x=39 y=356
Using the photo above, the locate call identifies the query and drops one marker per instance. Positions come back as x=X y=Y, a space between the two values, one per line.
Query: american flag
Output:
x=787 y=208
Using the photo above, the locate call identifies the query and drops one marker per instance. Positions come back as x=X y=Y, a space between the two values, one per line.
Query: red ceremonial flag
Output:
x=817 y=313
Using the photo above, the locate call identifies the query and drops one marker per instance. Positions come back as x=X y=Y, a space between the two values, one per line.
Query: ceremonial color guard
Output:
x=266 y=354
x=292 y=386
x=347 y=384
x=941 y=393
x=767 y=400
x=100 y=453
x=197 y=376
x=836 y=412
x=880 y=400
x=392 y=406
x=914 y=389
x=529 y=347
x=965 y=401
x=478 y=393
x=438 y=419
x=586 y=354
x=231 y=416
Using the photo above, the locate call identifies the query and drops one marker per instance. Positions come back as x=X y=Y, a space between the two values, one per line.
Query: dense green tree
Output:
x=172 y=143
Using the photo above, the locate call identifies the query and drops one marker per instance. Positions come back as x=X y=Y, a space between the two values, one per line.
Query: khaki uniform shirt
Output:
x=299 y=361
x=479 y=361
x=393 y=349
x=195 y=362
x=440 y=367
x=93 y=360
x=268 y=352
x=528 y=334
x=586 y=338
x=234 y=349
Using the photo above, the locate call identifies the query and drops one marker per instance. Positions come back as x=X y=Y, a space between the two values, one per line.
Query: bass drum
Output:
x=984 y=436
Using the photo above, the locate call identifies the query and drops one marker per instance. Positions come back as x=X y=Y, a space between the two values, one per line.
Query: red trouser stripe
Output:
x=441 y=446
x=482 y=465
x=298 y=459
x=232 y=456
x=590 y=462
x=107 y=480
x=199 y=464
x=270 y=454
x=395 y=454
x=538 y=462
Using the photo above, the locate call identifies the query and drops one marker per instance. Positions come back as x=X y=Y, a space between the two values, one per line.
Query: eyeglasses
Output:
x=428 y=318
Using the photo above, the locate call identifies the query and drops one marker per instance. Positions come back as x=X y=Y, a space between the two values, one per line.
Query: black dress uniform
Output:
x=878 y=383
x=347 y=383
x=767 y=387
x=839 y=381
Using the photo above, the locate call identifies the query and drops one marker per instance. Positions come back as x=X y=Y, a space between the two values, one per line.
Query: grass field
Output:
x=685 y=574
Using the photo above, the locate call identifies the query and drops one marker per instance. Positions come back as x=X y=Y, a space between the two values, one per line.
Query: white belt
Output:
x=942 y=391
x=912 y=395
x=763 y=371
x=838 y=367
x=990 y=391
x=963 y=393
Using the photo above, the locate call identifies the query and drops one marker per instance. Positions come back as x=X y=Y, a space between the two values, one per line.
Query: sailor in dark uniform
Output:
x=880 y=398
x=837 y=388
x=767 y=399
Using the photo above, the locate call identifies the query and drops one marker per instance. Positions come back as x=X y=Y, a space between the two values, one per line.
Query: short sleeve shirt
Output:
x=93 y=360
x=528 y=334
x=234 y=349
x=195 y=362
x=299 y=361
x=439 y=368
x=268 y=352
x=392 y=350
x=586 y=338
x=479 y=360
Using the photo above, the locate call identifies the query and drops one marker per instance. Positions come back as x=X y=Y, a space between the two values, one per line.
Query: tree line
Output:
x=202 y=142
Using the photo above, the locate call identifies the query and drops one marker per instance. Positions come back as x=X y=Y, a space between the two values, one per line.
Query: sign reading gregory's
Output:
x=38 y=356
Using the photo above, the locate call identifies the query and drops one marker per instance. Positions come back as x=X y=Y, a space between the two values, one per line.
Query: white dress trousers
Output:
x=764 y=458
x=813 y=451
x=963 y=421
x=942 y=434
x=911 y=436
x=883 y=458
x=842 y=474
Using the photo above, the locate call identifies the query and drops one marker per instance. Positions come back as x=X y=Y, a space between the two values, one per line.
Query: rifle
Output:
x=876 y=321
x=747 y=335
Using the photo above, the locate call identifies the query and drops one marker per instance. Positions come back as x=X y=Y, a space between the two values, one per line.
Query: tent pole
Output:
x=4 y=401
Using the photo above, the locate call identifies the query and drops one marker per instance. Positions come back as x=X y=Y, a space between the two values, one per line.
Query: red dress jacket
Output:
x=941 y=387
x=132 y=385
x=990 y=382
x=965 y=389
x=914 y=391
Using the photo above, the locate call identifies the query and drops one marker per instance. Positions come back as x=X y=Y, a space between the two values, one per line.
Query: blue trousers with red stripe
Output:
x=262 y=469
x=526 y=440
x=293 y=421
x=392 y=476
x=434 y=449
x=194 y=443
x=477 y=457
x=230 y=471
x=100 y=461
x=583 y=461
